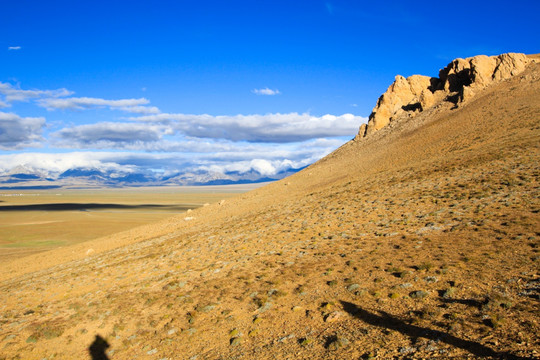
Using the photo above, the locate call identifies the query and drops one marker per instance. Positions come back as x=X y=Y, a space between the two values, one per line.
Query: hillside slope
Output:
x=420 y=240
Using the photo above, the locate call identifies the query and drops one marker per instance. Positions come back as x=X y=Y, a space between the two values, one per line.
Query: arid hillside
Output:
x=420 y=240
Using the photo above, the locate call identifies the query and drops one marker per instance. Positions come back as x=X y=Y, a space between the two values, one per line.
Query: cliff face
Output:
x=457 y=82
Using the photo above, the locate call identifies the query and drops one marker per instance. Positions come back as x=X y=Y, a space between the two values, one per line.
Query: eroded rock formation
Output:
x=457 y=82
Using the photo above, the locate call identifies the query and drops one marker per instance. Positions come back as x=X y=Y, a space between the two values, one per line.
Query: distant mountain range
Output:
x=22 y=177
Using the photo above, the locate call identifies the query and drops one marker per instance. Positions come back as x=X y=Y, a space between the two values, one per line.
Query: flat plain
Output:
x=34 y=221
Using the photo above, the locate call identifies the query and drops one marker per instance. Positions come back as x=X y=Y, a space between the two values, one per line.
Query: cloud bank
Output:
x=277 y=128
x=20 y=132
x=153 y=142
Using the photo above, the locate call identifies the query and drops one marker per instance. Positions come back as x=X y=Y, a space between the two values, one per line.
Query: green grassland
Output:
x=33 y=221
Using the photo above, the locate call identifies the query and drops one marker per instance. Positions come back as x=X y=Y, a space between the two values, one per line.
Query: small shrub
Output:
x=425 y=266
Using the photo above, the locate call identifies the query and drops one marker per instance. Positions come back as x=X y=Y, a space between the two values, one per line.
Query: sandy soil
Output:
x=418 y=242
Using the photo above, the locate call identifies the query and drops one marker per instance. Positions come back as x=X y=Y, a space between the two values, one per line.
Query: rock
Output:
x=459 y=81
x=419 y=294
x=235 y=341
x=337 y=343
x=426 y=99
x=403 y=95
x=467 y=93
x=509 y=65
x=334 y=316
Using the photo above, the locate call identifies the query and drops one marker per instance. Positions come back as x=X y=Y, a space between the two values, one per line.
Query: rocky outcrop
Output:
x=458 y=82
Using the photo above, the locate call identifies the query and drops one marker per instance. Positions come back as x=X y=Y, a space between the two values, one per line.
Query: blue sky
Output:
x=220 y=85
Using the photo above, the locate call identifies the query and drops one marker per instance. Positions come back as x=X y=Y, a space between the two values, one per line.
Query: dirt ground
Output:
x=420 y=241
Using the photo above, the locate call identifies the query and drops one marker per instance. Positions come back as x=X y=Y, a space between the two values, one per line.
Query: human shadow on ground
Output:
x=90 y=206
x=98 y=347
x=388 y=321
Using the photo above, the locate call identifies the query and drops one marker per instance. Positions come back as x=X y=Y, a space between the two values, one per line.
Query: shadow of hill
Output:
x=89 y=206
x=98 y=347
x=388 y=321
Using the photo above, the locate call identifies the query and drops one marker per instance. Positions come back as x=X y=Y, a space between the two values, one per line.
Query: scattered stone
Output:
x=334 y=316
x=337 y=343
x=419 y=294
x=285 y=338
x=407 y=350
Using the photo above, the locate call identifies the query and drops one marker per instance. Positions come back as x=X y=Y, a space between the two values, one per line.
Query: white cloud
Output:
x=19 y=132
x=266 y=91
x=14 y=48
x=88 y=102
x=56 y=99
x=140 y=109
x=109 y=135
x=279 y=128
x=12 y=93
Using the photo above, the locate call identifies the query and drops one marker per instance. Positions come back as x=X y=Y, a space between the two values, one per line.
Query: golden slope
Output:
x=418 y=241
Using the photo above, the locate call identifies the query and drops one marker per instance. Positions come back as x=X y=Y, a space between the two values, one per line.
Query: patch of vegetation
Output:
x=305 y=341
x=425 y=266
